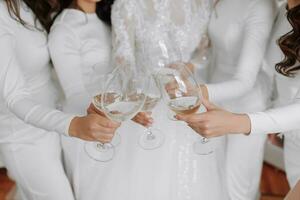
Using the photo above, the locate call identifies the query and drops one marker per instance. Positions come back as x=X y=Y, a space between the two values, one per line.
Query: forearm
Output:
x=41 y=116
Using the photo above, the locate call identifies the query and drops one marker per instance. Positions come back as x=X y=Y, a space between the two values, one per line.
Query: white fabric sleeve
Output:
x=123 y=31
x=257 y=29
x=64 y=46
x=18 y=99
x=281 y=119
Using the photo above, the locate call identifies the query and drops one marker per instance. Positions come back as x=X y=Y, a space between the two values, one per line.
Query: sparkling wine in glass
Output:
x=96 y=150
x=182 y=94
x=122 y=98
x=116 y=141
x=152 y=138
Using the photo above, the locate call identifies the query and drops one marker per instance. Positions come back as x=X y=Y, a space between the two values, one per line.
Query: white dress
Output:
x=172 y=171
x=31 y=155
x=80 y=48
x=76 y=42
x=239 y=32
x=285 y=90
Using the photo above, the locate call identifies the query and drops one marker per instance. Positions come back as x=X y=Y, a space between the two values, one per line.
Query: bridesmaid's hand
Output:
x=93 y=127
x=93 y=110
x=204 y=91
x=216 y=121
x=191 y=67
x=144 y=119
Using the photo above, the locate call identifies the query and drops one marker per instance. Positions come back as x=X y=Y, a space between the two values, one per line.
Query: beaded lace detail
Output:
x=148 y=33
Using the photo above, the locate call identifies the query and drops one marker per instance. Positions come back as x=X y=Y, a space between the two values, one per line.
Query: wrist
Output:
x=73 y=126
x=242 y=124
x=204 y=91
x=191 y=67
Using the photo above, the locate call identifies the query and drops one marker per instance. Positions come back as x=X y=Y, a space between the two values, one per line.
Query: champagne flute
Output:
x=152 y=138
x=182 y=94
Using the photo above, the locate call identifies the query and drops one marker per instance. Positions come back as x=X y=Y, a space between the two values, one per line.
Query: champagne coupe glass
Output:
x=152 y=138
x=182 y=94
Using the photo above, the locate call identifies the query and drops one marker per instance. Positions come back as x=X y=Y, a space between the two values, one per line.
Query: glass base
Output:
x=99 y=152
x=152 y=140
x=116 y=141
x=203 y=147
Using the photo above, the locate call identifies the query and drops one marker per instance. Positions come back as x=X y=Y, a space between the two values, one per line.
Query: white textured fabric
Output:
x=25 y=64
x=31 y=155
x=239 y=31
x=80 y=47
x=284 y=117
x=171 y=172
x=292 y=159
x=37 y=169
x=142 y=27
x=148 y=34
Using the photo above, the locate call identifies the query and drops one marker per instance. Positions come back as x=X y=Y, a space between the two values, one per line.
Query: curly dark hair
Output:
x=290 y=45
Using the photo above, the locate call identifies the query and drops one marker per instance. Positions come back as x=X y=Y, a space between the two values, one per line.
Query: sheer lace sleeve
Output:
x=200 y=59
x=123 y=24
x=15 y=95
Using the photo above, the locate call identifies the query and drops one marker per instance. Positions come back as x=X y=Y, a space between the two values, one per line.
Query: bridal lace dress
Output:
x=146 y=35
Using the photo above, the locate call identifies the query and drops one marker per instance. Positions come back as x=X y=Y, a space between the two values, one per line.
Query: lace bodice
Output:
x=147 y=33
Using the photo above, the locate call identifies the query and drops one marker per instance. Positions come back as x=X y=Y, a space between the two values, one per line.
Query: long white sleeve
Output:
x=257 y=27
x=281 y=119
x=64 y=46
x=17 y=98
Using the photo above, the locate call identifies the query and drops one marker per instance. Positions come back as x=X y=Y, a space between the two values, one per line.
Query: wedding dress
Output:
x=146 y=35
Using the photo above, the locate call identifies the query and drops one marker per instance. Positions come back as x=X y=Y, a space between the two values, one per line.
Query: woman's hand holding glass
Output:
x=152 y=138
x=122 y=98
x=93 y=127
x=217 y=121
x=182 y=94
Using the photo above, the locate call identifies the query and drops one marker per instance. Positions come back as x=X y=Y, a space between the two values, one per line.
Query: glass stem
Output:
x=150 y=135
x=103 y=146
x=204 y=140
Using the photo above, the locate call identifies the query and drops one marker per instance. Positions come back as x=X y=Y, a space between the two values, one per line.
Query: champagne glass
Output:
x=96 y=150
x=152 y=138
x=122 y=98
x=124 y=95
x=182 y=94
x=116 y=141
